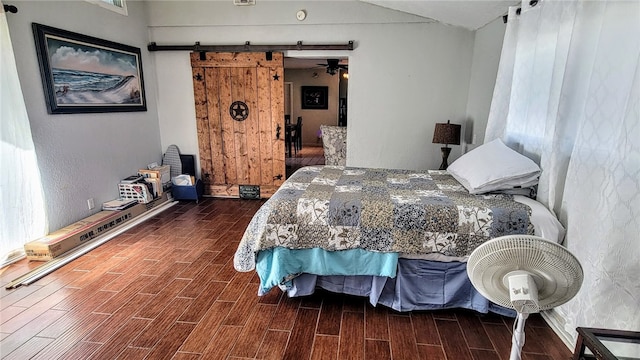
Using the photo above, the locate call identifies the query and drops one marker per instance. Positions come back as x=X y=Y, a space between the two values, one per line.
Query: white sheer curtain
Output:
x=568 y=95
x=21 y=196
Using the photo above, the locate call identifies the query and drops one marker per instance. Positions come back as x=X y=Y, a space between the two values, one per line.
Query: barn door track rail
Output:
x=247 y=47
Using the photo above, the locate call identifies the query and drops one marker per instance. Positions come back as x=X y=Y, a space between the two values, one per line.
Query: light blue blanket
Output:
x=277 y=266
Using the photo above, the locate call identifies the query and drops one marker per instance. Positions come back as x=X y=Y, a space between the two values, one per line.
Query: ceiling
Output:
x=469 y=14
x=308 y=63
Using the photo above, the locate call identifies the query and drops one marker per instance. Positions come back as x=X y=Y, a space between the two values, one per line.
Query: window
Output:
x=119 y=6
x=22 y=208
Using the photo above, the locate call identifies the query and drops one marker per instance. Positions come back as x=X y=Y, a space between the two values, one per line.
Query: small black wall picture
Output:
x=315 y=97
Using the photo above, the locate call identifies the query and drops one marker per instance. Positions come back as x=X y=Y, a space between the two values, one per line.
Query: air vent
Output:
x=244 y=2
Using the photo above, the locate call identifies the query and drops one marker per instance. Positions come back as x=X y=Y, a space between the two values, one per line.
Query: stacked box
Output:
x=160 y=172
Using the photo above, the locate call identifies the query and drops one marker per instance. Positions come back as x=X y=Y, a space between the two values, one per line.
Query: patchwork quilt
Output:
x=381 y=210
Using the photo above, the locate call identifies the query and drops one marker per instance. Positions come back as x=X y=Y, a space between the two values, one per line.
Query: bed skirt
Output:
x=418 y=285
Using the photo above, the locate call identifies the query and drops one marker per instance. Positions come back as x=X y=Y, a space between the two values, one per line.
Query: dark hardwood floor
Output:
x=167 y=289
x=308 y=155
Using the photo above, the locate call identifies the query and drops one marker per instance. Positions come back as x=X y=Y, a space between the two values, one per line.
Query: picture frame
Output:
x=84 y=74
x=315 y=97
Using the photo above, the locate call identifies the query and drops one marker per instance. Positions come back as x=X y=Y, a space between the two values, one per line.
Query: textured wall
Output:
x=83 y=156
x=486 y=56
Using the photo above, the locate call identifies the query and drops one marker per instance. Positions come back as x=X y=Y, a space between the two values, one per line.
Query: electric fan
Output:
x=526 y=273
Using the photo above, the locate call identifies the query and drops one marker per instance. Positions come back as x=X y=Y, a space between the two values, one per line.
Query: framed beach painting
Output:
x=83 y=74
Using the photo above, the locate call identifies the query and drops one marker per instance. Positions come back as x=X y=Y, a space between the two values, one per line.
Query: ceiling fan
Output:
x=333 y=65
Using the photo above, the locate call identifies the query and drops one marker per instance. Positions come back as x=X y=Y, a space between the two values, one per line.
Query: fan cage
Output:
x=557 y=272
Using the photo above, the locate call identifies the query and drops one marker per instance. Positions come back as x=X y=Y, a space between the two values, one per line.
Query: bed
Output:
x=399 y=237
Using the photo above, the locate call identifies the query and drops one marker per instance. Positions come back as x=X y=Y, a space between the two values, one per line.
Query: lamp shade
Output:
x=447 y=133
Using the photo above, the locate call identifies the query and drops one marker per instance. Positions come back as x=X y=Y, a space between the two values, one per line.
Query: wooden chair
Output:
x=296 y=136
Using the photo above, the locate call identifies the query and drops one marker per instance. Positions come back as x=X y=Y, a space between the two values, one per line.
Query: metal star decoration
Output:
x=276 y=77
x=198 y=77
x=239 y=110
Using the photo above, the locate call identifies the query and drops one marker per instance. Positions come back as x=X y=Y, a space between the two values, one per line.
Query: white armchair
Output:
x=334 y=143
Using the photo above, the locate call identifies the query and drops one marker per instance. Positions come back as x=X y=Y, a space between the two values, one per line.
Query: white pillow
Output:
x=494 y=166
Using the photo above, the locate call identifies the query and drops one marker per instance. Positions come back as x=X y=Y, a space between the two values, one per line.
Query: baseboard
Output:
x=71 y=255
x=557 y=323
x=14 y=256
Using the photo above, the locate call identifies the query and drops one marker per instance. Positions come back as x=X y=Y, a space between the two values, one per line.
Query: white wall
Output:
x=484 y=69
x=405 y=74
x=84 y=156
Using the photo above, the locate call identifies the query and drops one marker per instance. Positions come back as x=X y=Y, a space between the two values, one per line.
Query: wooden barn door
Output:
x=240 y=121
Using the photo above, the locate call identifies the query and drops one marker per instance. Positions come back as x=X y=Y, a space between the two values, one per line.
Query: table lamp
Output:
x=446 y=134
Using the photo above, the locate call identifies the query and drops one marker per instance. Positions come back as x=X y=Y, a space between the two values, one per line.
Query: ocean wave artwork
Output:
x=84 y=74
x=84 y=87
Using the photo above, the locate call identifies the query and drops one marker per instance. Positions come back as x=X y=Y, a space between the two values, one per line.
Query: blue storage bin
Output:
x=193 y=192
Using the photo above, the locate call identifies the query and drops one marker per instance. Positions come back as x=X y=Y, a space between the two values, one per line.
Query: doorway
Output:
x=288 y=98
x=315 y=72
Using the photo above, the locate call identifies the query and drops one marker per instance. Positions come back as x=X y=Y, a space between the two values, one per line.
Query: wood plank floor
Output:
x=167 y=289
x=308 y=155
